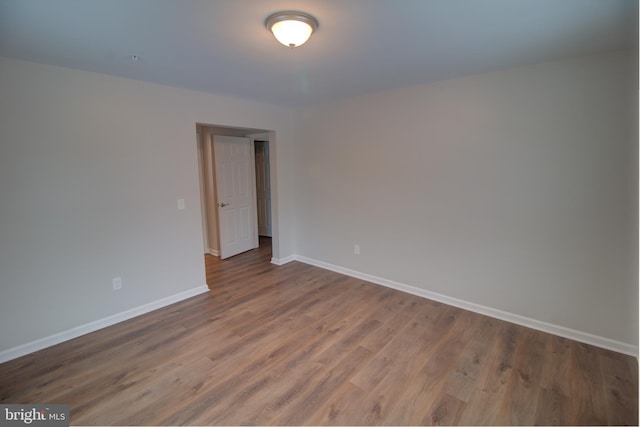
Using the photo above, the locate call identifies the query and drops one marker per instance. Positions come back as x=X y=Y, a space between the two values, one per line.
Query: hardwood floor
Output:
x=295 y=344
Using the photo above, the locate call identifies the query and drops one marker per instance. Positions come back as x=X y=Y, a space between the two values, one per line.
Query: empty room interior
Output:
x=413 y=212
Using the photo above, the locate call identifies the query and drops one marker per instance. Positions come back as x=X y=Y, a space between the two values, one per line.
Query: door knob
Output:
x=222 y=205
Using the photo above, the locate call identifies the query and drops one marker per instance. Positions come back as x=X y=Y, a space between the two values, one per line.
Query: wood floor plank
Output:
x=555 y=383
x=342 y=409
x=619 y=391
x=405 y=354
x=485 y=406
x=299 y=345
x=587 y=385
x=446 y=411
x=553 y=408
x=461 y=382
x=435 y=364
x=523 y=388
x=323 y=388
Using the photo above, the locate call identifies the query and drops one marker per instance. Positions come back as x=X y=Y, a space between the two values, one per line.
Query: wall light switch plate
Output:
x=181 y=204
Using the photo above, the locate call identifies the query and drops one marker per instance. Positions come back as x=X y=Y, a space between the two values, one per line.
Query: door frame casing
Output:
x=208 y=196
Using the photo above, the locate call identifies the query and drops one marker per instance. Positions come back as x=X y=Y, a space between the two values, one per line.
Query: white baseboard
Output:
x=213 y=252
x=573 y=334
x=282 y=261
x=54 y=339
x=584 y=337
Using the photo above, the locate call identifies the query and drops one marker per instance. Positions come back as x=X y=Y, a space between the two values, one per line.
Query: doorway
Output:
x=214 y=210
x=263 y=187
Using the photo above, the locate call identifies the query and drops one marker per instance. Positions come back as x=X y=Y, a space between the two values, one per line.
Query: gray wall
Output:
x=91 y=167
x=515 y=190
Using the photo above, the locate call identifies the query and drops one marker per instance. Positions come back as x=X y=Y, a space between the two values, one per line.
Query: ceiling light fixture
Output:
x=291 y=28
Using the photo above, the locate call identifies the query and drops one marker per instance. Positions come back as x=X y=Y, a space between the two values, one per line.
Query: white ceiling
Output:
x=362 y=46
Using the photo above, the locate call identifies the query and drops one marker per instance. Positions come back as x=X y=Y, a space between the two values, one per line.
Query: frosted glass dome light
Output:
x=292 y=29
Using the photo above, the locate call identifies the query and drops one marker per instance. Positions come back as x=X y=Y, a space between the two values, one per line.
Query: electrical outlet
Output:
x=356 y=249
x=117 y=283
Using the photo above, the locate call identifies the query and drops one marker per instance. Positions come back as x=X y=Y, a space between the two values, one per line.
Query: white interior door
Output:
x=236 y=194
